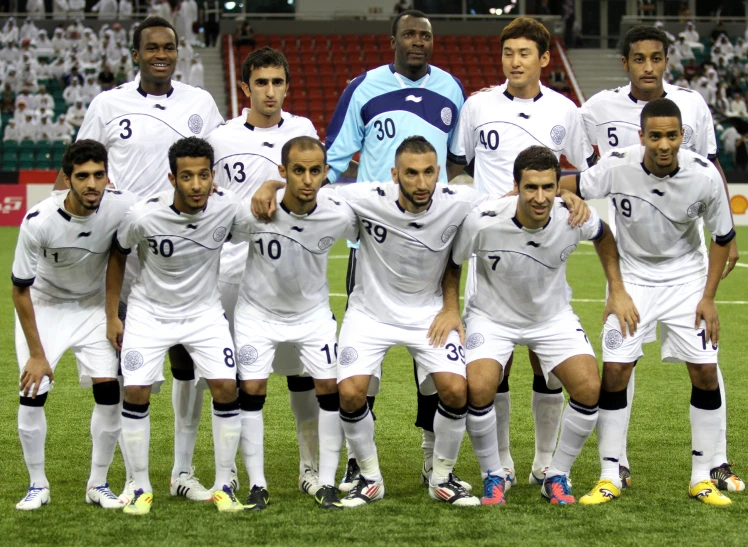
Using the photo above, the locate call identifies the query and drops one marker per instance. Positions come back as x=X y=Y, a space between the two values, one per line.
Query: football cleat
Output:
x=493 y=490
x=234 y=481
x=225 y=500
x=557 y=490
x=624 y=473
x=128 y=492
x=352 y=474
x=537 y=476
x=258 y=499
x=365 y=491
x=603 y=492
x=35 y=497
x=327 y=498
x=453 y=493
x=309 y=482
x=705 y=491
x=510 y=477
x=103 y=496
x=725 y=479
x=188 y=486
x=426 y=479
x=140 y=504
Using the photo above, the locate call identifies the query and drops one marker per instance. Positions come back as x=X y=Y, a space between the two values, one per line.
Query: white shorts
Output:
x=674 y=308
x=364 y=342
x=553 y=341
x=257 y=342
x=147 y=340
x=77 y=326
x=287 y=360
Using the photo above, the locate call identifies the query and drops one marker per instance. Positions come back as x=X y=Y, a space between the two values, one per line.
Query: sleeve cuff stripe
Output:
x=120 y=248
x=22 y=282
x=725 y=239
x=579 y=185
x=599 y=231
x=458 y=160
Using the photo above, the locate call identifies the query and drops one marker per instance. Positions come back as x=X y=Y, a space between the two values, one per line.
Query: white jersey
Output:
x=179 y=253
x=62 y=256
x=285 y=279
x=659 y=234
x=401 y=262
x=611 y=119
x=138 y=129
x=520 y=272
x=494 y=127
x=245 y=157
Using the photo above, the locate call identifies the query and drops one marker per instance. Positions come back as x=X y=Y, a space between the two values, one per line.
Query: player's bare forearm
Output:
x=607 y=251
x=619 y=302
x=263 y=200
x=454 y=169
x=734 y=255
x=115 y=275
x=352 y=171
x=569 y=183
x=451 y=287
x=718 y=255
x=27 y=318
x=449 y=318
x=59 y=182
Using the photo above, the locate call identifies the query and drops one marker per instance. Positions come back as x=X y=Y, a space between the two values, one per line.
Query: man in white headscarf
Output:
x=195 y=77
x=60 y=7
x=107 y=9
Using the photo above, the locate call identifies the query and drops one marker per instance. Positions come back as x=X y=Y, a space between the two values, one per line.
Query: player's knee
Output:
x=138 y=395
x=586 y=391
x=454 y=394
x=106 y=393
x=704 y=376
x=351 y=397
x=251 y=403
x=616 y=376
x=254 y=387
x=222 y=391
x=329 y=402
x=300 y=383
x=38 y=401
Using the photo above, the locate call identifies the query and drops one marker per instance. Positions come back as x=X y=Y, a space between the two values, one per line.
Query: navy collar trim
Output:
x=287 y=210
x=252 y=127
x=144 y=94
x=636 y=101
x=671 y=175
x=511 y=97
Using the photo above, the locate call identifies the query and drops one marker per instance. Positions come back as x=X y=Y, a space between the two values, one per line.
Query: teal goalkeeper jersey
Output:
x=380 y=109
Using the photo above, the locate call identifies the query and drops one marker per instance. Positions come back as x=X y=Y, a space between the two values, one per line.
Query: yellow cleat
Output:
x=708 y=493
x=603 y=492
x=226 y=502
x=140 y=504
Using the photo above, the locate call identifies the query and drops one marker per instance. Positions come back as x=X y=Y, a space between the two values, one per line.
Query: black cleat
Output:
x=352 y=474
x=258 y=499
x=625 y=475
x=724 y=479
x=327 y=498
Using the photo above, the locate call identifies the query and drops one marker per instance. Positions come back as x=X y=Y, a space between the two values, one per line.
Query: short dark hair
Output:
x=81 y=152
x=411 y=13
x=536 y=158
x=415 y=145
x=150 y=22
x=190 y=147
x=660 y=108
x=262 y=58
x=639 y=33
x=302 y=143
x=527 y=27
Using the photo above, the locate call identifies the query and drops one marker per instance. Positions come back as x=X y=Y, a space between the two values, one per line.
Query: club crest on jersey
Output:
x=614 y=339
x=697 y=209
x=557 y=134
x=475 y=340
x=447 y=115
x=567 y=252
x=247 y=355
x=133 y=361
x=448 y=233
x=219 y=233
x=325 y=243
x=195 y=123
x=347 y=357
x=687 y=133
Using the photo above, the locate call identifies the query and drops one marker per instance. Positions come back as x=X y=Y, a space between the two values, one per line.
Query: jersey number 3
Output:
x=126 y=130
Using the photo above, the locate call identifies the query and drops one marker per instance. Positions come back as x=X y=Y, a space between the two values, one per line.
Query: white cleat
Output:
x=510 y=478
x=309 y=482
x=188 y=486
x=365 y=491
x=128 y=492
x=34 y=499
x=101 y=495
x=426 y=479
x=537 y=476
x=453 y=493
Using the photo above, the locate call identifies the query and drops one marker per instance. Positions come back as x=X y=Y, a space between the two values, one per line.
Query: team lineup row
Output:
x=375 y=114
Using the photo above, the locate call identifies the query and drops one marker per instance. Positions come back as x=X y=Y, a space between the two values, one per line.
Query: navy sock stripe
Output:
x=480 y=410
x=582 y=408
x=451 y=412
x=355 y=416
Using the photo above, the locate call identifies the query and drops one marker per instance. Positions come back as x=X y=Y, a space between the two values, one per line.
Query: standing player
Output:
x=58 y=293
x=137 y=122
x=175 y=300
x=660 y=193
x=611 y=119
x=521 y=245
x=248 y=152
x=494 y=127
x=291 y=305
x=375 y=113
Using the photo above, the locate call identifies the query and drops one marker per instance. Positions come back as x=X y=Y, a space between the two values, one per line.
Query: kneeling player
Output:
x=174 y=301
x=521 y=245
x=291 y=305
x=58 y=292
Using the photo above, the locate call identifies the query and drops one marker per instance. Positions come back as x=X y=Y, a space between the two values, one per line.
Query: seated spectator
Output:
x=735 y=70
x=7 y=99
x=719 y=30
x=28 y=30
x=62 y=130
x=725 y=45
x=57 y=69
x=737 y=106
x=184 y=56
x=43 y=71
x=75 y=114
x=44 y=46
x=20 y=113
x=674 y=60
x=717 y=54
x=741 y=49
x=26 y=96
x=11 y=132
x=106 y=78
x=682 y=82
x=722 y=70
x=73 y=93
x=27 y=128
x=12 y=78
x=45 y=131
x=703 y=88
x=244 y=35
x=684 y=50
x=90 y=89
x=72 y=76
x=59 y=42
x=722 y=103
x=122 y=75
x=10 y=32
x=196 y=72
x=119 y=34
x=44 y=111
x=691 y=36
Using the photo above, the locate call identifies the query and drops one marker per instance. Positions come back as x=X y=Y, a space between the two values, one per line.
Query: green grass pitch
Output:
x=656 y=510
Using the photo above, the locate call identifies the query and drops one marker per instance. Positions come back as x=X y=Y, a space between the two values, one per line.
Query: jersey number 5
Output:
x=612 y=137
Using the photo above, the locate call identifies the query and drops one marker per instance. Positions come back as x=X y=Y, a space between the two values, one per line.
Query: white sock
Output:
x=547 y=409
x=358 y=427
x=306 y=412
x=705 y=425
x=32 y=430
x=720 y=454
x=449 y=430
x=227 y=431
x=136 y=432
x=624 y=458
x=187 y=402
x=121 y=440
x=427 y=445
x=578 y=422
x=502 y=402
x=349 y=450
x=331 y=443
x=611 y=423
x=253 y=446
x=105 y=430
x=481 y=427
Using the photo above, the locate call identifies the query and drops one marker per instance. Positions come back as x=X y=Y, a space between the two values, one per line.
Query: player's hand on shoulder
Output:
x=35 y=370
x=114 y=331
x=445 y=322
x=706 y=311
x=579 y=211
x=263 y=200
x=620 y=304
